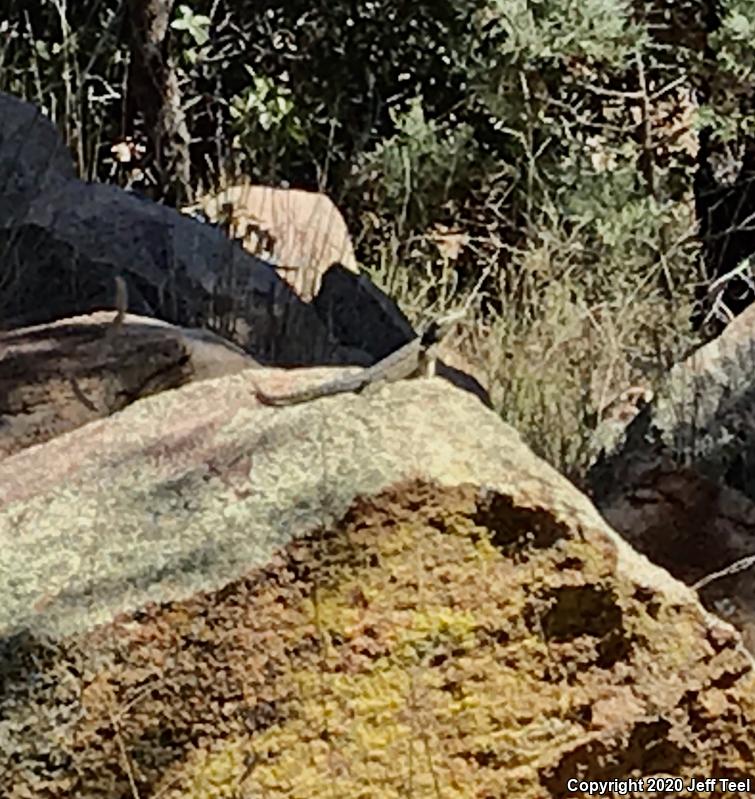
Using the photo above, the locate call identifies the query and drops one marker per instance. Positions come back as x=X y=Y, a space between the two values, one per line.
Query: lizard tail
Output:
x=342 y=386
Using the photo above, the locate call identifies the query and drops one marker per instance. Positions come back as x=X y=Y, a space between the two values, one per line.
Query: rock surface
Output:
x=57 y=377
x=374 y=595
x=701 y=417
x=301 y=232
x=33 y=156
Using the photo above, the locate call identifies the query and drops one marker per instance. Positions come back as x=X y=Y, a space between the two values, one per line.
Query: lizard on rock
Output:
x=416 y=358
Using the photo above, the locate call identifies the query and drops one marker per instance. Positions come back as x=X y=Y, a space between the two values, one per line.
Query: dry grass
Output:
x=552 y=356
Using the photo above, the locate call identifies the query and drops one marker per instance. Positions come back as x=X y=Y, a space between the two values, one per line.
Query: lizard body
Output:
x=415 y=358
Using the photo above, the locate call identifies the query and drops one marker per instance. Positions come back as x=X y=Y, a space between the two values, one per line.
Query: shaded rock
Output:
x=75 y=237
x=63 y=255
x=697 y=529
x=201 y=597
x=56 y=377
x=33 y=156
x=360 y=314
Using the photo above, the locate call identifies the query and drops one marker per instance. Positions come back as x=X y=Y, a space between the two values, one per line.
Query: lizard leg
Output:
x=429 y=363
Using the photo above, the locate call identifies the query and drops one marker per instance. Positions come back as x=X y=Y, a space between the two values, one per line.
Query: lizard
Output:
x=416 y=358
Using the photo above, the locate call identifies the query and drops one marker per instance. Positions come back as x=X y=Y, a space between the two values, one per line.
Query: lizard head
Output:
x=439 y=328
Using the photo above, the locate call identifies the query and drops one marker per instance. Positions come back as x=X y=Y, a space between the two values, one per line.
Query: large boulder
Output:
x=373 y=595
x=64 y=240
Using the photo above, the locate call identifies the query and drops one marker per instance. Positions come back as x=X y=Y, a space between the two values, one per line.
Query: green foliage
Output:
x=195 y=25
x=70 y=62
x=264 y=120
x=559 y=31
x=410 y=174
x=729 y=115
x=196 y=29
x=732 y=43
